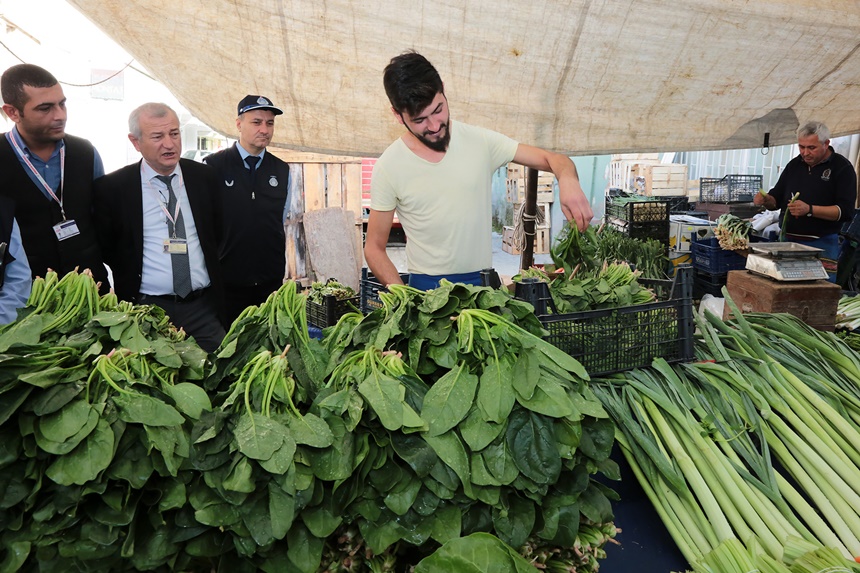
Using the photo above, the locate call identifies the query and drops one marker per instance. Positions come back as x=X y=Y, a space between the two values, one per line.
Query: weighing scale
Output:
x=786 y=261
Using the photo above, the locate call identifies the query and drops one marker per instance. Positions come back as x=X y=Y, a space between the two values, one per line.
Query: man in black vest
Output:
x=49 y=174
x=253 y=193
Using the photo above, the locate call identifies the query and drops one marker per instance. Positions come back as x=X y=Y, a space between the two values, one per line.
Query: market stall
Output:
x=587 y=417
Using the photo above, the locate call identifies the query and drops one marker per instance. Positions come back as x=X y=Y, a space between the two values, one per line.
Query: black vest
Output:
x=253 y=243
x=37 y=215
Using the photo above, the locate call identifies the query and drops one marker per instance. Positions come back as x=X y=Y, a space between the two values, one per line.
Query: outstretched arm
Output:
x=574 y=204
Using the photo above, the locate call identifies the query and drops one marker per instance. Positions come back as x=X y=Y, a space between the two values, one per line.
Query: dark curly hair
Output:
x=411 y=82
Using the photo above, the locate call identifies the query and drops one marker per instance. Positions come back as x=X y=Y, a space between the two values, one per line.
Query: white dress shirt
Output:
x=157 y=275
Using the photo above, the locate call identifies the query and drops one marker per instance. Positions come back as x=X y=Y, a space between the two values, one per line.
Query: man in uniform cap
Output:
x=253 y=194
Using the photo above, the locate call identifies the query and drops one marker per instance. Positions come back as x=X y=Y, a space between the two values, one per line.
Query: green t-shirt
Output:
x=446 y=207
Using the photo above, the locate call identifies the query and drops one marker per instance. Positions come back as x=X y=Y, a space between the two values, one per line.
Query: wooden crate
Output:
x=544 y=209
x=620 y=167
x=692 y=190
x=517 y=181
x=814 y=302
x=542 y=241
x=664 y=180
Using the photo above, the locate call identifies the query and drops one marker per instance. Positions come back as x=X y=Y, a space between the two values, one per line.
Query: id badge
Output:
x=66 y=229
x=176 y=246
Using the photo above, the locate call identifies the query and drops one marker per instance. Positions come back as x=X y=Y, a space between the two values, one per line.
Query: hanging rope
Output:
x=519 y=231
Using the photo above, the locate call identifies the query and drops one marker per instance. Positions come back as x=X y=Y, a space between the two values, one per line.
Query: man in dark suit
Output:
x=253 y=194
x=157 y=224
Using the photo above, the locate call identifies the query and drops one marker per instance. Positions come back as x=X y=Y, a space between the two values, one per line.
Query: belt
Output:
x=175 y=298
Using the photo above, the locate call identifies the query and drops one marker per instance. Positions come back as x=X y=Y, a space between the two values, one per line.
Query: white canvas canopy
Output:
x=576 y=76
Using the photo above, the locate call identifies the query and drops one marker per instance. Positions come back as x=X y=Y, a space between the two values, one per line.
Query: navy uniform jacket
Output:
x=253 y=244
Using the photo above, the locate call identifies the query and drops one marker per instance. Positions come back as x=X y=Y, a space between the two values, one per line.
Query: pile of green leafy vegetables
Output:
x=599 y=269
x=588 y=251
x=124 y=447
x=319 y=290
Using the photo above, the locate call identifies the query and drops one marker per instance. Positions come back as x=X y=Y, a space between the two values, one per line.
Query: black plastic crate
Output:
x=658 y=230
x=369 y=289
x=327 y=313
x=678 y=205
x=706 y=283
x=646 y=211
x=729 y=189
x=619 y=339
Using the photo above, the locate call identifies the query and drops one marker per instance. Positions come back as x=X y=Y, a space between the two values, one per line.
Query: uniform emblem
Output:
x=826 y=175
x=273 y=181
x=263 y=101
x=228 y=183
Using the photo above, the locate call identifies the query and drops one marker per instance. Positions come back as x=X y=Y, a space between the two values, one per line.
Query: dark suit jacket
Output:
x=118 y=216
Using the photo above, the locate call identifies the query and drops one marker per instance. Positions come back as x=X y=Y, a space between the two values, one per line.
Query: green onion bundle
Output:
x=733 y=233
x=848 y=313
x=751 y=457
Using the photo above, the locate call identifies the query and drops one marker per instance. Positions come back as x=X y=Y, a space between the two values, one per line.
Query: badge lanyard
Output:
x=163 y=204
x=38 y=175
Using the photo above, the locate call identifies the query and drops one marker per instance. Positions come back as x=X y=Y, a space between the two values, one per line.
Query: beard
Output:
x=440 y=145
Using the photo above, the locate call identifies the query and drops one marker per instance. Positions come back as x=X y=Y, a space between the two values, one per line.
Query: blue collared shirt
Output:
x=157 y=274
x=17 y=283
x=49 y=170
x=243 y=154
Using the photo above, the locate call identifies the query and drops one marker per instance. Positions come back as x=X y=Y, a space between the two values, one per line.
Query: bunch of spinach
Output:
x=588 y=251
x=507 y=432
x=431 y=418
x=95 y=410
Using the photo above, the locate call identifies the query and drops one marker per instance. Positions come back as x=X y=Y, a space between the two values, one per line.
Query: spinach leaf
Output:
x=190 y=399
x=496 y=392
x=304 y=550
x=477 y=432
x=386 y=396
x=550 y=399
x=451 y=451
x=526 y=373
x=448 y=401
x=143 y=409
x=500 y=462
x=477 y=553
x=60 y=432
x=514 y=523
x=87 y=460
x=531 y=439
x=309 y=429
x=259 y=436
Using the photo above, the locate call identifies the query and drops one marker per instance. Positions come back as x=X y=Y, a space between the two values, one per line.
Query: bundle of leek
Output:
x=752 y=459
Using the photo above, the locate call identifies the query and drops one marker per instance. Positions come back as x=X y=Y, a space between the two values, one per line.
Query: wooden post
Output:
x=293 y=229
x=527 y=258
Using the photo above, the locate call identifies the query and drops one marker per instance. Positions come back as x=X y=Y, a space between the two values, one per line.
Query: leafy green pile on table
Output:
x=123 y=447
x=474 y=417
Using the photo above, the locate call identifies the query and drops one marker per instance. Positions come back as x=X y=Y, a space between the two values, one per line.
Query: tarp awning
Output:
x=576 y=76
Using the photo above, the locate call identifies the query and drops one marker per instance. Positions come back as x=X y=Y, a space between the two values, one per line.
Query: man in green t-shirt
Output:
x=437 y=177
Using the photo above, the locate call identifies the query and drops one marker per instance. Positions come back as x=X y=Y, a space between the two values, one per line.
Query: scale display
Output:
x=786 y=261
